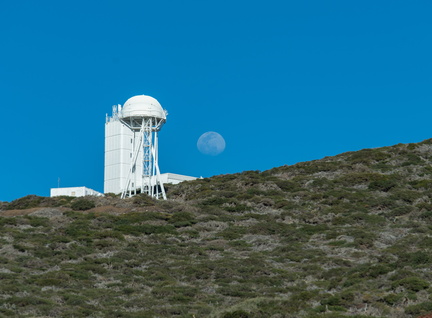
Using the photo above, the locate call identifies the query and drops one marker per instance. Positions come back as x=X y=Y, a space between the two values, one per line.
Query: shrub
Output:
x=82 y=204
x=236 y=314
x=214 y=201
x=426 y=215
x=370 y=219
x=419 y=308
x=362 y=238
x=384 y=183
x=318 y=166
x=75 y=300
x=400 y=274
x=414 y=259
x=236 y=207
x=147 y=229
x=36 y=221
x=62 y=200
x=238 y=290
x=143 y=200
x=27 y=202
x=332 y=301
x=180 y=219
x=233 y=232
x=392 y=299
x=49 y=282
x=322 y=183
x=402 y=210
x=406 y=196
x=422 y=184
x=355 y=178
x=288 y=186
x=285 y=204
x=413 y=283
x=8 y=221
x=369 y=155
x=412 y=159
x=313 y=229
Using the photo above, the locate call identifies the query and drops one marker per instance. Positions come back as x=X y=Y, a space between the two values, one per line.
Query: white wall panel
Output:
x=118 y=149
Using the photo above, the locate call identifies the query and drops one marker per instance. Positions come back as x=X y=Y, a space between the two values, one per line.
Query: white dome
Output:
x=143 y=106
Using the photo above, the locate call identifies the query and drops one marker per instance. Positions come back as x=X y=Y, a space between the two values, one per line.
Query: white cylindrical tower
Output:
x=144 y=116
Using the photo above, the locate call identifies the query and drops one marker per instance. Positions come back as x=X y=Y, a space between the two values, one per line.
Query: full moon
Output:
x=211 y=143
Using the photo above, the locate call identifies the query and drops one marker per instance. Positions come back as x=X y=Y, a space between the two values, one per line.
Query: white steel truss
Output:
x=145 y=141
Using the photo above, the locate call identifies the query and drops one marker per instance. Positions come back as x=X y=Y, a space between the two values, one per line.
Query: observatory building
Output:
x=131 y=149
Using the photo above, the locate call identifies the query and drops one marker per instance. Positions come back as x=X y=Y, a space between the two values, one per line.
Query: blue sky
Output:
x=281 y=81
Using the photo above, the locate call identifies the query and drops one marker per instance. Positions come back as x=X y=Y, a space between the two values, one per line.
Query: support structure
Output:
x=146 y=142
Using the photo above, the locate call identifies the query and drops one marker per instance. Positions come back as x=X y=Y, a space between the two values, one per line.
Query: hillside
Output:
x=344 y=236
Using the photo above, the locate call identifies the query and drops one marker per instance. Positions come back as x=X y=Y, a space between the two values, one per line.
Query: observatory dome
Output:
x=143 y=106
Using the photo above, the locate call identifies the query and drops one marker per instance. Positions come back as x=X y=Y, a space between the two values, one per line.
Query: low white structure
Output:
x=174 y=178
x=74 y=192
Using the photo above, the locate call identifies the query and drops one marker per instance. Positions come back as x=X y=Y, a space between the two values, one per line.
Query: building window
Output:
x=131 y=154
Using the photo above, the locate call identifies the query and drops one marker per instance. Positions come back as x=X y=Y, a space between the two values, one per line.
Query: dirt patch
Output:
x=108 y=209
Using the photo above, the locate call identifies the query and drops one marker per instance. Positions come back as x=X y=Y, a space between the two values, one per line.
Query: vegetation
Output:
x=344 y=236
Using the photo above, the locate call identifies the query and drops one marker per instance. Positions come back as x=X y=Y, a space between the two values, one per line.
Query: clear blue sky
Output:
x=281 y=81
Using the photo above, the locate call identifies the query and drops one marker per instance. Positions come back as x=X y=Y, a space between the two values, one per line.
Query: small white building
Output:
x=74 y=192
x=174 y=178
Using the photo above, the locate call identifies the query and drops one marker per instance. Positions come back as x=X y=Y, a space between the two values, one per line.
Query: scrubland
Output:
x=344 y=236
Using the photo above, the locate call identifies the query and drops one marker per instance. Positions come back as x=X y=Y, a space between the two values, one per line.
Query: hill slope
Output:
x=344 y=236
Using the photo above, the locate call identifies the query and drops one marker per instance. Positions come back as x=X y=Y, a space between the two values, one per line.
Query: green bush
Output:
x=233 y=232
x=367 y=156
x=82 y=204
x=357 y=178
x=49 y=282
x=238 y=290
x=414 y=284
x=146 y=229
x=406 y=196
x=214 y=201
x=8 y=221
x=315 y=166
x=402 y=210
x=27 y=202
x=412 y=159
x=236 y=314
x=393 y=299
x=426 y=215
x=362 y=238
x=36 y=221
x=332 y=301
x=365 y=218
x=236 y=207
x=384 y=183
x=143 y=200
x=414 y=259
x=425 y=184
x=288 y=186
x=181 y=219
x=422 y=308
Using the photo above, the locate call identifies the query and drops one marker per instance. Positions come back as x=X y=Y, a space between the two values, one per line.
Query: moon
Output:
x=211 y=143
